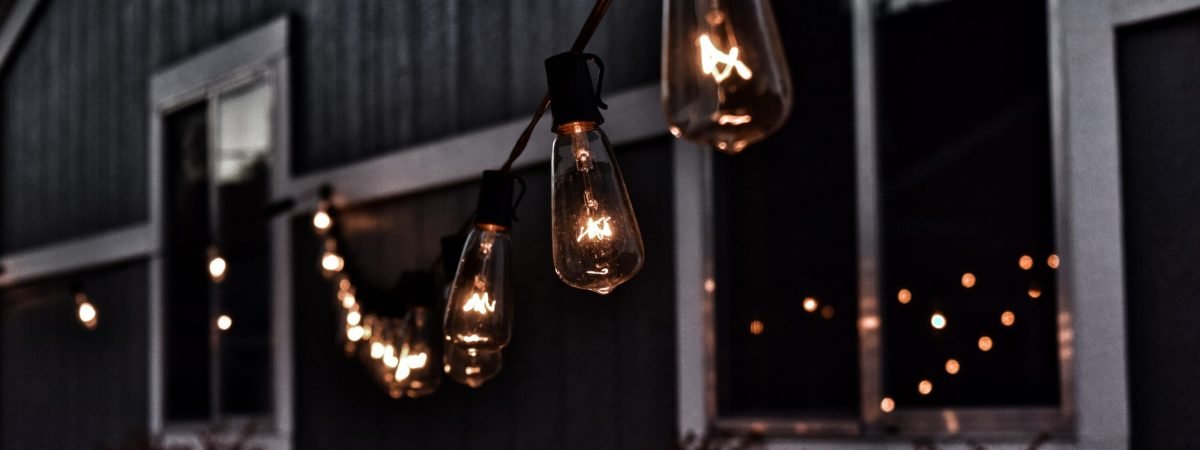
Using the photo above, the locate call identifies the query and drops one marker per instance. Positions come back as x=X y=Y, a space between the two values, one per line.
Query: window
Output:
x=908 y=287
x=219 y=339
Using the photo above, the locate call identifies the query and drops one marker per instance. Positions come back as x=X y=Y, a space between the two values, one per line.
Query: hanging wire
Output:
x=585 y=35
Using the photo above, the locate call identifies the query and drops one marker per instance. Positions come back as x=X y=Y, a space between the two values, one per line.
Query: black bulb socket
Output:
x=573 y=97
x=495 y=207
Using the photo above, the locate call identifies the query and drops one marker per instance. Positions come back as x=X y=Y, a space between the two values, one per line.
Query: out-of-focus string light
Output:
x=331 y=262
x=224 y=322
x=1052 y=261
x=810 y=304
x=216 y=265
x=904 y=296
x=322 y=221
x=937 y=320
x=1007 y=318
x=952 y=366
x=887 y=405
x=1026 y=262
x=827 y=312
x=85 y=311
x=1035 y=292
x=985 y=343
x=968 y=280
x=757 y=327
x=925 y=387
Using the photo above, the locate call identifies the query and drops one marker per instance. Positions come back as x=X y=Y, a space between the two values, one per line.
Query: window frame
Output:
x=258 y=56
x=1091 y=341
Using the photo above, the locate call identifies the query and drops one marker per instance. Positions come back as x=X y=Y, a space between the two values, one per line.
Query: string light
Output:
x=224 y=322
x=216 y=265
x=968 y=280
x=985 y=343
x=757 y=327
x=1035 y=292
x=331 y=262
x=827 y=312
x=1007 y=318
x=925 y=387
x=321 y=220
x=952 y=366
x=904 y=296
x=479 y=309
x=937 y=320
x=810 y=304
x=1026 y=262
x=1052 y=261
x=887 y=405
x=85 y=311
x=726 y=80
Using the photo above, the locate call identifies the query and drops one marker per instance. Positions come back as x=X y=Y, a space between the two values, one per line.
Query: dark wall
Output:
x=371 y=76
x=63 y=386
x=1159 y=82
x=583 y=370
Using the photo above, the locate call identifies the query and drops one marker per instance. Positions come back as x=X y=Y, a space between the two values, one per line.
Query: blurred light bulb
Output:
x=725 y=77
x=904 y=296
x=827 y=312
x=353 y=317
x=968 y=280
x=376 y=350
x=471 y=367
x=1052 y=261
x=224 y=322
x=925 y=387
x=757 y=327
x=887 y=405
x=952 y=366
x=331 y=262
x=348 y=299
x=479 y=310
x=596 y=241
x=421 y=377
x=321 y=220
x=810 y=304
x=216 y=265
x=355 y=333
x=1008 y=318
x=86 y=312
x=937 y=320
x=1035 y=292
x=985 y=343
x=1026 y=262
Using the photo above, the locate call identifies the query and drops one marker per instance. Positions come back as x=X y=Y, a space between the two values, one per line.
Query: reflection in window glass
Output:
x=966 y=204
x=786 y=262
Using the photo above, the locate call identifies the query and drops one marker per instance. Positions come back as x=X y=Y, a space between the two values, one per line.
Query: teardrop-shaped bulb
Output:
x=417 y=372
x=471 y=367
x=725 y=77
x=597 y=243
x=479 y=310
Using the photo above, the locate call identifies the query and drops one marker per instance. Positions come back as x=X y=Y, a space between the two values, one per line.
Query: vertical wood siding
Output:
x=372 y=76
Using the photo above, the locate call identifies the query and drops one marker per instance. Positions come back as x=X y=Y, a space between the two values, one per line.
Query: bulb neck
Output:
x=579 y=126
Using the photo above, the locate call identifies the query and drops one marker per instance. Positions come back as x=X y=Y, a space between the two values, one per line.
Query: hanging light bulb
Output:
x=470 y=366
x=322 y=221
x=85 y=310
x=596 y=241
x=419 y=356
x=331 y=262
x=479 y=310
x=216 y=264
x=725 y=77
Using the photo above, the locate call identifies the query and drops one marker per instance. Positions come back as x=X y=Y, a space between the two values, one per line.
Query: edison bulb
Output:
x=597 y=244
x=216 y=265
x=85 y=311
x=725 y=77
x=471 y=367
x=479 y=310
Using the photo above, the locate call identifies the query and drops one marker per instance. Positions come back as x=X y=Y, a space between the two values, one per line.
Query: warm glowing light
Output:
x=756 y=327
x=937 y=320
x=416 y=361
x=1026 y=262
x=810 y=304
x=710 y=286
x=344 y=284
x=968 y=280
x=985 y=343
x=731 y=119
x=349 y=300
x=322 y=221
x=925 y=387
x=827 y=312
x=472 y=338
x=216 y=268
x=389 y=356
x=224 y=322
x=376 y=350
x=331 y=262
x=87 y=312
x=1007 y=318
x=472 y=370
x=952 y=366
x=1052 y=261
x=887 y=405
x=904 y=296
x=353 y=317
x=1035 y=292
x=479 y=304
x=595 y=230
x=711 y=56
x=355 y=333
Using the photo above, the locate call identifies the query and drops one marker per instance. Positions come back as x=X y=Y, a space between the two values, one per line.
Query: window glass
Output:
x=969 y=313
x=786 y=259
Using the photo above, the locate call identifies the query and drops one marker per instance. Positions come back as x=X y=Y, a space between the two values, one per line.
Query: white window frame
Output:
x=260 y=55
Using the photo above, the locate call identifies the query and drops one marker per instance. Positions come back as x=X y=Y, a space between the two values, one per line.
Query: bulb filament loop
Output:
x=595 y=230
x=472 y=338
x=711 y=57
x=480 y=305
x=733 y=119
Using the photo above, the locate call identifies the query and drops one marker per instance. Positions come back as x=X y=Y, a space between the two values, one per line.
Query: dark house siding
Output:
x=62 y=386
x=370 y=76
x=1158 y=71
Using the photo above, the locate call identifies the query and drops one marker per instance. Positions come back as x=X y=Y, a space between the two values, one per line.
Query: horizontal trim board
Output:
x=200 y=71
x=633 y=115
x=75 y=255
x=1129 y=12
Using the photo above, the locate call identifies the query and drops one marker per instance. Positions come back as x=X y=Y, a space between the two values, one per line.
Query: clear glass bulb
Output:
x=471 y=367
x=417 y=372
x=725 y=77
x=597 y=244
x=479 y=310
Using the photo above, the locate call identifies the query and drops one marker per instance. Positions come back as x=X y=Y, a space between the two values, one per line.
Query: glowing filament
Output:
x=479 y=304
x=730 y=119
x=710 y=57
x=472 y=338
x=416 y=361
x=595 y=229
x=472 y=370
